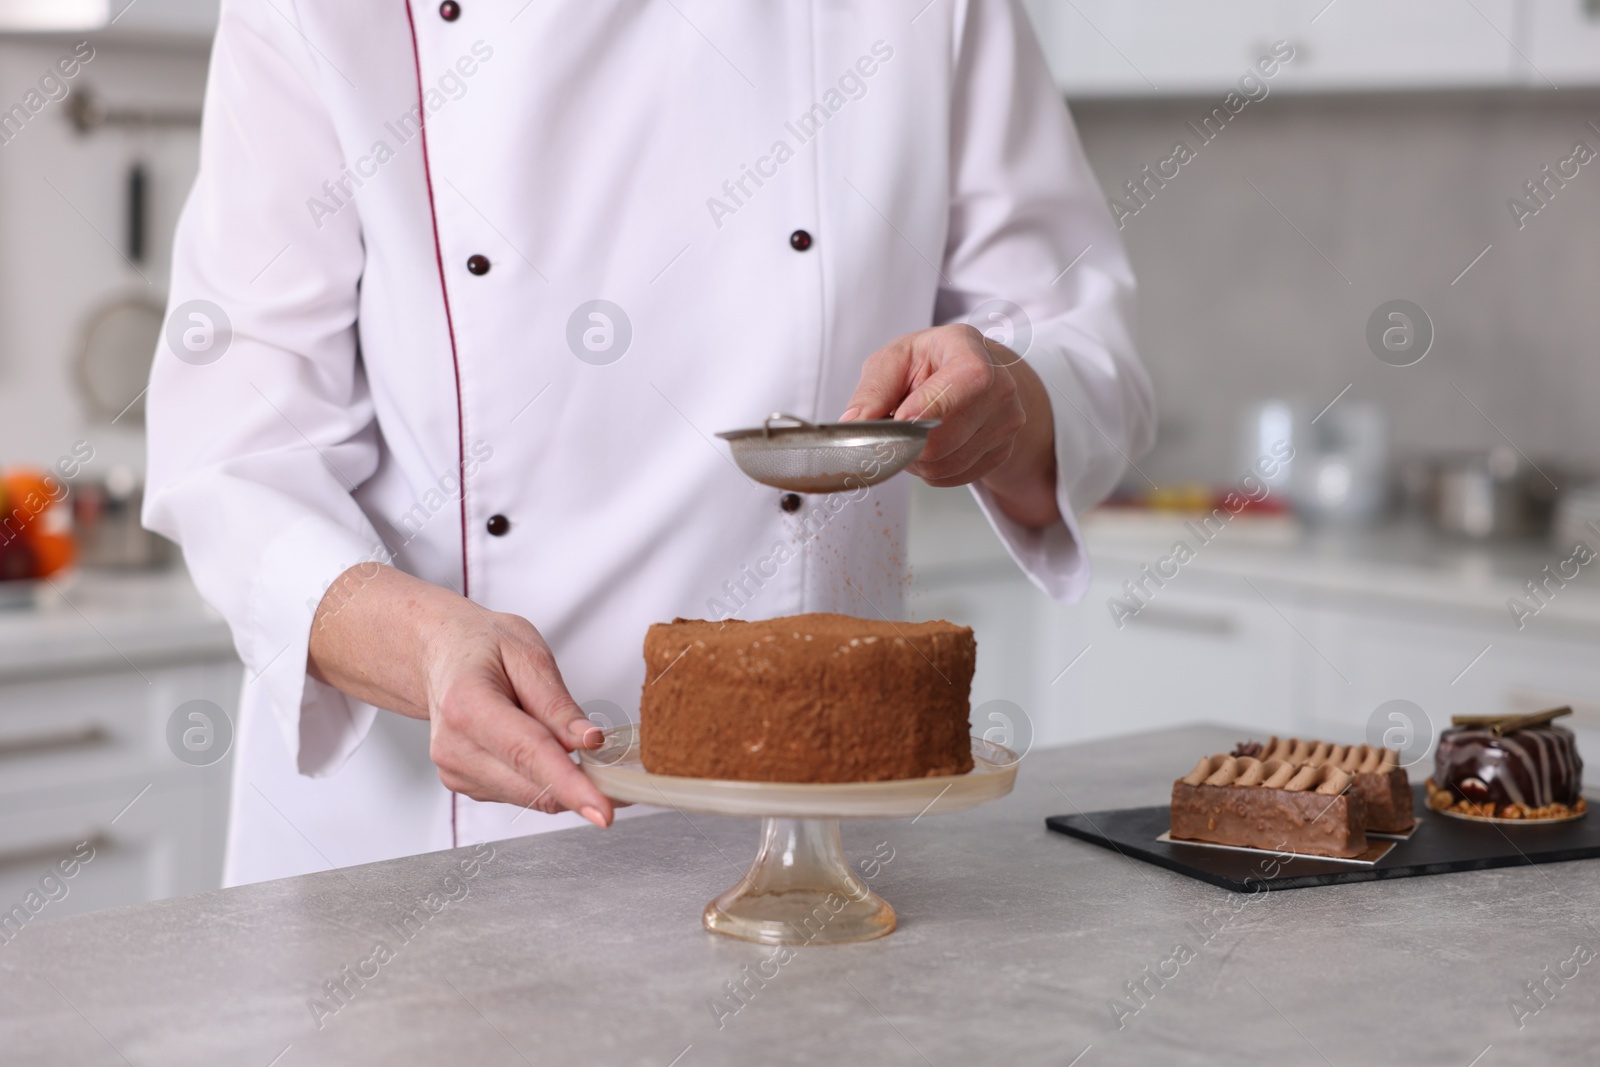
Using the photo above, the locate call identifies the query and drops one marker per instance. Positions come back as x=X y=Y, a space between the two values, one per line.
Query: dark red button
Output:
x=790 y=502
x=499 y=525
x=478 y=264
x=799 y=240
x=449 y=10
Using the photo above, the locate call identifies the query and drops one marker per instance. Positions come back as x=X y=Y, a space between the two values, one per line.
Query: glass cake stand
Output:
x=799 y=890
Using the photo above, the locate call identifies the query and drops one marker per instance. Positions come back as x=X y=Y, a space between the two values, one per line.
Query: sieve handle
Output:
x=791 y=421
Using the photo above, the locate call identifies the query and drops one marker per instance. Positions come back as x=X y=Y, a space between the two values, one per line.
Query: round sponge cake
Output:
x=807 y=698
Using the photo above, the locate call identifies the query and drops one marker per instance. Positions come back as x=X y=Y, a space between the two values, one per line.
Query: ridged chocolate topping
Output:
x=1269 y=774
x=1352 y=759
x=1535 y=766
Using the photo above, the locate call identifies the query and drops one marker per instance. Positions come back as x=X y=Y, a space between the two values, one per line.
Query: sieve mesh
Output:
x=804 y=457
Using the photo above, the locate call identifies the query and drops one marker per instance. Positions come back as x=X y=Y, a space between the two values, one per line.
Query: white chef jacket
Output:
x=400 y=225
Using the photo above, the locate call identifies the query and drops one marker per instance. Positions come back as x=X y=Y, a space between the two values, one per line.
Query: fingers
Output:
x=957 y=376
x=473 y=772
x=537 y=684
x=984 y=465
x=962 y=374
x=524 y=757
x=967 y=435
x=991 y=424
x=885 y=380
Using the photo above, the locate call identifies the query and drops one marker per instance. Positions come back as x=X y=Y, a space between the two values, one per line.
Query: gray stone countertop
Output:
x=583 y=947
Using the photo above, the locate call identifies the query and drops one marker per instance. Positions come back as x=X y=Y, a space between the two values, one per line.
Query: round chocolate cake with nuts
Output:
x=1507 y=770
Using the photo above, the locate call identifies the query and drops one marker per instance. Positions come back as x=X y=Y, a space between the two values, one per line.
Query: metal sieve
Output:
x=790 y=453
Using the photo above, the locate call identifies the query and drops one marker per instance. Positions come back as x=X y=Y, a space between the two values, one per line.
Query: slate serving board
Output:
x=1441 y=845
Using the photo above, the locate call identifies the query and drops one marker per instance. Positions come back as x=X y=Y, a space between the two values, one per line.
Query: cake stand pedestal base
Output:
x=800 y=891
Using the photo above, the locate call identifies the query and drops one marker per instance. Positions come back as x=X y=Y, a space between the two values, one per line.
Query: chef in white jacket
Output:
x=463 y=292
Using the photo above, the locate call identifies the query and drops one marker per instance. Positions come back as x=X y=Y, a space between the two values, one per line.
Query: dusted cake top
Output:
x=828 y=632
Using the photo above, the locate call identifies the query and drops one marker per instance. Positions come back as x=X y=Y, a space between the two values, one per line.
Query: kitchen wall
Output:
x=1393 y=197
x=62 y=223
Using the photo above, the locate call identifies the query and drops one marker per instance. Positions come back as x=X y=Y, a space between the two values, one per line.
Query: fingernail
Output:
x=593 y=736
x=849 y=413
x=594 y=816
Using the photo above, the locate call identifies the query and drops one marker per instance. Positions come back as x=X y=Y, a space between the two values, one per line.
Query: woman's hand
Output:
x=995 y=423
x=501 y=720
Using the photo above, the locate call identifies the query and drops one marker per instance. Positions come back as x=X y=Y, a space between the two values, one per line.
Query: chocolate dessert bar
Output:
x=1270 y=804
x=1379 y=778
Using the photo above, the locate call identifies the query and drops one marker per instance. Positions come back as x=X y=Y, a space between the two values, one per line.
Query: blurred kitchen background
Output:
x=1337 y=268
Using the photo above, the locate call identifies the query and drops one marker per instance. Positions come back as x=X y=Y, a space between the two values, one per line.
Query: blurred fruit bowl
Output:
x=36 y=538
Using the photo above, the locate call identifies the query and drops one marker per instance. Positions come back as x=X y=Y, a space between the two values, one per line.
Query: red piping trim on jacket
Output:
x=450 y=325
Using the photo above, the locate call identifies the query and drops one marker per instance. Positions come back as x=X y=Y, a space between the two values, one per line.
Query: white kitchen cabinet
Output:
x=1447 y=663
x=162 y=20
x=1150 y=47
x=147 y=853
x=51 y=16
x=95 y=725
x=1418 y=44
x=1120 y=48
x=1563 y=43
x=1307 y=638
x=1207 y=648
x=85 y=758
x=961 y=572
x=1204 y=649
x=1380 y=653
x=89 y=678
x=1003 y=609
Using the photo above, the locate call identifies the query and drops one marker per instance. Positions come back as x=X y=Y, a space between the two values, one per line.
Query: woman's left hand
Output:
x=995 y=424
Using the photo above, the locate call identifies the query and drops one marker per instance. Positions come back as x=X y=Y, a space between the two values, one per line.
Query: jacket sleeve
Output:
x=260 y=421
x=1033 y=253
